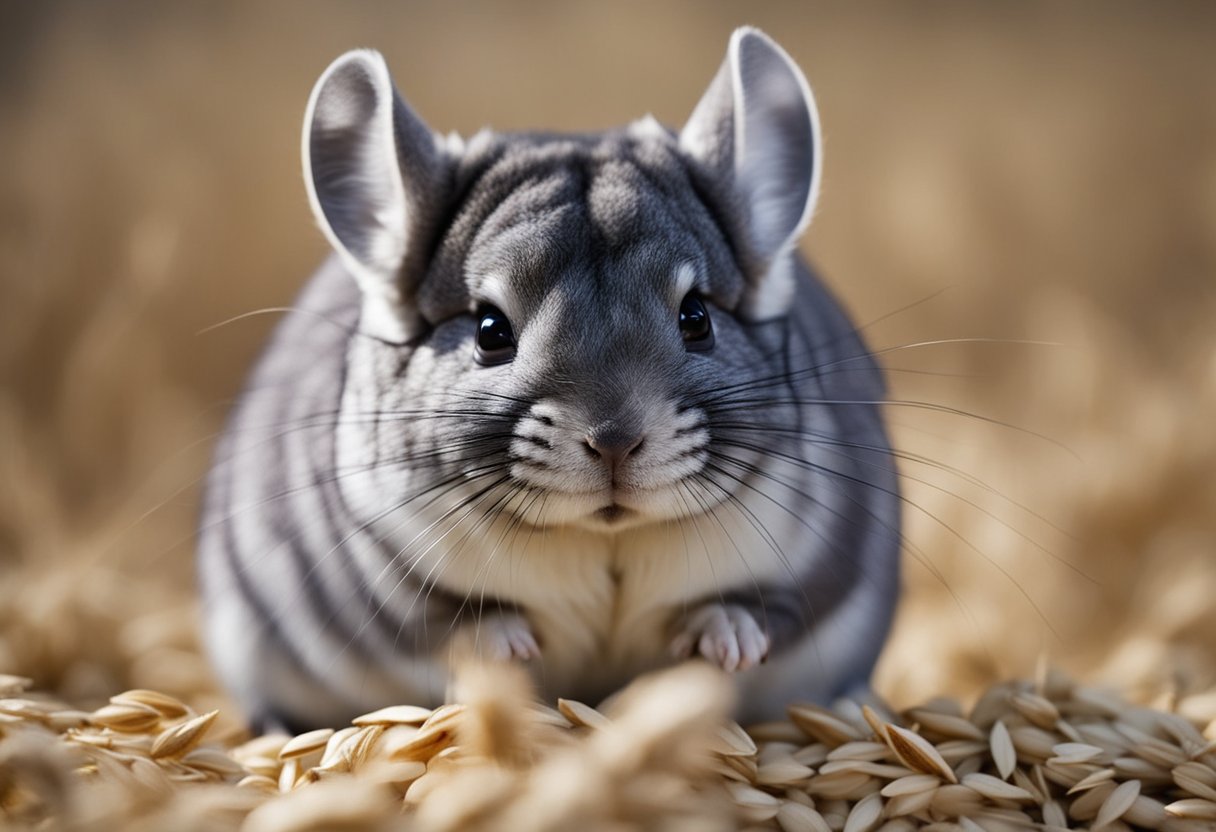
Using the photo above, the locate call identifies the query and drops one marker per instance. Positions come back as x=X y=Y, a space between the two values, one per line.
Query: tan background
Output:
x=1016 y=171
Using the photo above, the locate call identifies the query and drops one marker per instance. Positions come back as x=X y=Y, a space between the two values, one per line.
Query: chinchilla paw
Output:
x=726 y=635
x=498 y=637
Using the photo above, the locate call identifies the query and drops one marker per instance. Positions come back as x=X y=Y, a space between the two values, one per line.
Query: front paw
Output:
x=498 y=637
x=726 y=635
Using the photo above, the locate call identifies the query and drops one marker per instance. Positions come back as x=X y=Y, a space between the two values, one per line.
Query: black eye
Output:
x=695 y=327
x=495 y=339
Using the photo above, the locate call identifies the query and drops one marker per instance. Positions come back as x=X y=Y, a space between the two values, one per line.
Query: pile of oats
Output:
x=1044 y=754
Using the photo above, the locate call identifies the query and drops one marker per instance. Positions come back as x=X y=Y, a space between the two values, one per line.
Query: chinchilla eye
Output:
x=495 y=339
x=695 y=328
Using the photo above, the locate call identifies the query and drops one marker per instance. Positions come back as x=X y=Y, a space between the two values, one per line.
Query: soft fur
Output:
x=380 y=498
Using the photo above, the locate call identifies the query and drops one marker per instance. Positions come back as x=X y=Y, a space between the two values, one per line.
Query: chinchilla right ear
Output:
x=754 y=137
x=375 y=175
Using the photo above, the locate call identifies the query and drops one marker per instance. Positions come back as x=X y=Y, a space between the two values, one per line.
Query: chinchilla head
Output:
x=558 y=319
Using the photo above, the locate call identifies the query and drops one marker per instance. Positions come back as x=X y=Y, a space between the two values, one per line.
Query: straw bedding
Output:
x=1045 y=754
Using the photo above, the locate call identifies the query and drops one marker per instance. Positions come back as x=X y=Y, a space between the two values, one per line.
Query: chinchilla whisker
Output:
x=374 y=417
x=537 y=495
x=491 y=559
x=472 y=502
x=839 y=445
x=277 y=310
x=489 y=395
x=433 y=491
x=319 y=479
x=329 y=619
x=447 y=557
x=825 y=439
x=761 y=473
x=468 y=506
x=823 y=469
x=685 y=494
x=142 y=515
x=710 y=509
x=327 y=477
x=746 y=404
x=807 y=614
x=430 y=581
x=938 y=342
x=915 y=551
x=908 y=371
x=323 y=420
x=488 y=516
x=749 y=516
x=1024 y=535
x=339 y=417
x=908 y=307
x=506 y=537
x=284 y=431
x=818 y=369
x=707 y=510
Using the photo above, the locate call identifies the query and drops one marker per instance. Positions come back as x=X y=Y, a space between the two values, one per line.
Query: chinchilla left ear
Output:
x=754 y=137
x=375 y=175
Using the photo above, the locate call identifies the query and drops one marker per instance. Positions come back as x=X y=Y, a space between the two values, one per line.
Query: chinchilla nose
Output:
x=613 y=440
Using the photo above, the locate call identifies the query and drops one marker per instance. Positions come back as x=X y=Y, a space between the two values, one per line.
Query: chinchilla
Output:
x=572 y=401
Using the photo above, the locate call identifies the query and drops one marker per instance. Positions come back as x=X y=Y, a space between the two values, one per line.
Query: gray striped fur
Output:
x=379 y=496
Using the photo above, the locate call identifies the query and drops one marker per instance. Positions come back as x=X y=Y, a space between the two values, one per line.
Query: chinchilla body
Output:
x=569 y=401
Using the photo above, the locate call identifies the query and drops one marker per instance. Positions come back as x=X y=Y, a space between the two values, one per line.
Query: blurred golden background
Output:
x=995 y=174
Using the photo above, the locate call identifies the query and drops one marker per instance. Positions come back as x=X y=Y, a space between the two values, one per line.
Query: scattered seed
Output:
x=947 y=725
x=796 y=817
x=258 y=782
x=1102 y=775
x=917 y=753
x=860 y=750
x=181 y=738
x=304 y=743
x=1197 y=779
x=782 y=772
x=1001 y=746
x=167 y=706
x=821 y=724
x=755 y=806
x=912 y=784
x=1147 y=812
x=1039 y=710
x=13 y=685
x=733 y=741
x=1068 y=753
x=1061 y=755
x=865 y=815
x=1119 y=801
x=1053 y=815
x=996 y=788
x=213 y=760
x=910 y=804
x=395 y=715
x=128 y=717
x=1192 y=808
x=583 y=715
x=425 y=744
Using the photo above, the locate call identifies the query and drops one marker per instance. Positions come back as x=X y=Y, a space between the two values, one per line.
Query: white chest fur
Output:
x=601 y=605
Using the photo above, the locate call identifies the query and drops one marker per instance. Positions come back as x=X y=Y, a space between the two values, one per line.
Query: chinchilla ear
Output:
x=374 y=172
x=755 y=138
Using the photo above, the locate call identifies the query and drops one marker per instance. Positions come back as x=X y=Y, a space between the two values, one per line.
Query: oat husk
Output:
x=662 y=756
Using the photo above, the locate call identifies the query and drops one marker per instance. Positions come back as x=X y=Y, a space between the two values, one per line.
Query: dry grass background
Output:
x=1051 y=167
